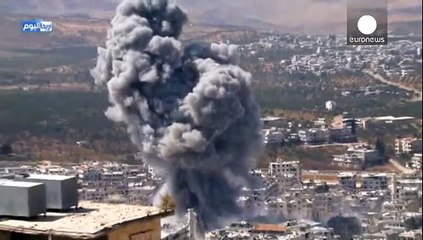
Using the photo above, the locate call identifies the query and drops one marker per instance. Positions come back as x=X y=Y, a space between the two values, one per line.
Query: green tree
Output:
x=383 y=150
x=6 y=149
x=380 y=147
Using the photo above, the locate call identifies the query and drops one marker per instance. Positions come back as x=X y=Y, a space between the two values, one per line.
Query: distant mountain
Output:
x=405 y=28
x=304 y=16
x=307 y=16
x=66 y=32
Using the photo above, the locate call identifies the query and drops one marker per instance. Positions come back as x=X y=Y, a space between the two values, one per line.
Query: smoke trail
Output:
x=188 y=109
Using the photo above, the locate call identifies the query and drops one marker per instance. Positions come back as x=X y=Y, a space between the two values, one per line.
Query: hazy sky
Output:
x=299 y=12
x=307 y=15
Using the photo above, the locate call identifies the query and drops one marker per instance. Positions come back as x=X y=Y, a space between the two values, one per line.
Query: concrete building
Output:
x=416 y=162
x=382 y=235
x=341 y=135
x=374 y=181
x=281 y=169
x=326 y=206
x=294 y=206
x=408 y=145
x=90 y=175
x=191 y=230
x=273 y=137
x=406 y=190
x=347 y=181
x=356 y=157
x=330 y=105
x=267 y=229
x=93 y=221
x=313 y=135
x=354 y=160
x=112 y=178
x=411 y=235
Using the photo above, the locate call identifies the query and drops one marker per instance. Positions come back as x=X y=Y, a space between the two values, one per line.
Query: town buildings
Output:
x=273 y=136
x=356 y=157
x=416 y=162
x=408 y=145
x=314 y=135
x=325 y=56
x=292 y=196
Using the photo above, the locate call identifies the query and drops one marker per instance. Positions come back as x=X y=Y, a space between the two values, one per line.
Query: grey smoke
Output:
x=188 y=109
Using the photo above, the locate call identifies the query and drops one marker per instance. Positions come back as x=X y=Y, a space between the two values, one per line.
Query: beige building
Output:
x=411 y=235
x=288 y=169
x=373 y=181
x=93 y=221
x=408 y=145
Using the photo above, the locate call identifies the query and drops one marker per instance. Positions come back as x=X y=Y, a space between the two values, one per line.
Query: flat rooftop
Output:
x=90 y=221
x=49 y=177
x=9 y=183
x=270 y=228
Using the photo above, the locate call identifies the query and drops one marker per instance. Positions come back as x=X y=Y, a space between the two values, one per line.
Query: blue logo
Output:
x=37 y=25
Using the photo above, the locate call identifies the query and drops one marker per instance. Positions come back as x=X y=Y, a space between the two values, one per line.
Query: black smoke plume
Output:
x=188 y=109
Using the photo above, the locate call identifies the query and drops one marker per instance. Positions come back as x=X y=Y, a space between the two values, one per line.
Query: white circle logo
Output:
x=367 y=24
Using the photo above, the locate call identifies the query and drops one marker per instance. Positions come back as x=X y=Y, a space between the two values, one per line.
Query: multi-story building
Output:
x=92 y=194
x=356 y=157
x=291 y=206
x=348 y=181
x=253 y=200
x=90 y=175
x=353 y=160
x=406 y=190
x=112 y=178
x=321 y=233
x=313 y=135
x=411 y=235
x=381 y=235
x=273 y=137
x=285 y=181
x=281 y=169
x=416 y=162
x=374 y=181
x=408 y=145
x=326 y=206
x=341 y=135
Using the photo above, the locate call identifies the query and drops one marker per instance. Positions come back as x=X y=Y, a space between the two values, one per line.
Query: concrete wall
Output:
x=139 y=230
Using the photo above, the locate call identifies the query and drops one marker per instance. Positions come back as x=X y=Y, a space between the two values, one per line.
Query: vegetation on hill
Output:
x=47 y=124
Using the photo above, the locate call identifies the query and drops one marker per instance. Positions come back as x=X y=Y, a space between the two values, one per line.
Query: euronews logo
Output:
x=37 y=26
x=367 y=22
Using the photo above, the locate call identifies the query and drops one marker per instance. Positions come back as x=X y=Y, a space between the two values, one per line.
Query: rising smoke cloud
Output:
x=188 y=109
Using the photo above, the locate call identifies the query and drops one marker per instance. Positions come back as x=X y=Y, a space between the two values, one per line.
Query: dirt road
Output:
x=399 y=85
x=400 y=167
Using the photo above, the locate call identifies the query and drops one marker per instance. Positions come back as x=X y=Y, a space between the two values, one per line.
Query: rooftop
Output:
x=49 y=177
x=371 y=175
x=90 y=221
x=270 y=228
x=8 y=183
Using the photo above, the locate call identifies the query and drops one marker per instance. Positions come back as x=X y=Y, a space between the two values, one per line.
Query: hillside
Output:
x=67 y=32
x=81 y=31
